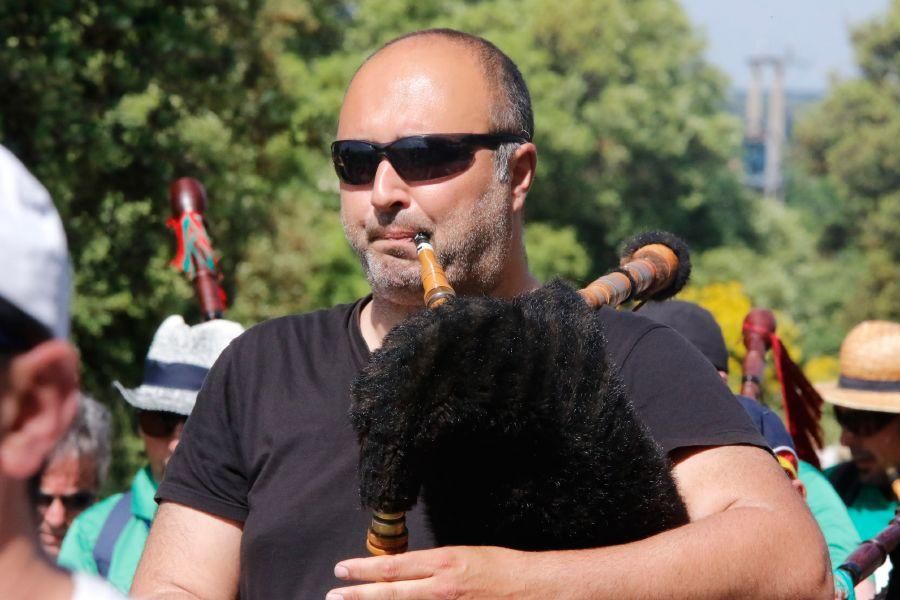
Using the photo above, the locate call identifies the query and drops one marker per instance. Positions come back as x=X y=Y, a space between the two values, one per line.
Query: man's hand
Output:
x=746 y=520
x=453 y=572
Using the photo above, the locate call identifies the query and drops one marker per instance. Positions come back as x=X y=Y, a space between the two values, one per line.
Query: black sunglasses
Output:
x=415 y=158
x=72 y=502
x=158 y=423
x=862 y=422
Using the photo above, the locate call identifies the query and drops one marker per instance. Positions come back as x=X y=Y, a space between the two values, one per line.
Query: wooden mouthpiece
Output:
x=436 y=287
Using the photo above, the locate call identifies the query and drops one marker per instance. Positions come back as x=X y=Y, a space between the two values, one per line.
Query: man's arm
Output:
x=750 y=536
x=189 y=554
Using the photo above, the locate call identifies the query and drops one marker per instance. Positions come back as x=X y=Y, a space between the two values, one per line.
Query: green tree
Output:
x=852 y=140
x=630 y=124
x=107 y=103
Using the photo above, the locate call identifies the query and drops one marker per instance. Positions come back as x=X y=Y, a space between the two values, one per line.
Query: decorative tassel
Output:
x=802 y=403
x=193 y=243
x=194 y=253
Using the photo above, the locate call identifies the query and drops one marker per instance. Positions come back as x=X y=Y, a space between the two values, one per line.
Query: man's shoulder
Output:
x=289 y=327
x=624 y=329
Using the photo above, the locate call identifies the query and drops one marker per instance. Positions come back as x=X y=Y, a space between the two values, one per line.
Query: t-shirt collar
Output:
x=358 y=345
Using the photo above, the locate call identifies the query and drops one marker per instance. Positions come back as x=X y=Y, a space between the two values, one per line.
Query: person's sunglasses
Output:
x=72 y=502
x=862 y=422
x=415 y=158
x=159 y=424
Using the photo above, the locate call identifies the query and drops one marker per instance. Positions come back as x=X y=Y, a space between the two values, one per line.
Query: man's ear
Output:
x=38 y=405
x=522 y=166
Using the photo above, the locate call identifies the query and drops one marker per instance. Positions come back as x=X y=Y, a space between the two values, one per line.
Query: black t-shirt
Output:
x=269 y=441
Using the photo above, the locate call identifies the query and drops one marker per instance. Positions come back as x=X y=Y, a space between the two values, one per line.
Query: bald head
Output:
x=417 y=86
x=510 y=107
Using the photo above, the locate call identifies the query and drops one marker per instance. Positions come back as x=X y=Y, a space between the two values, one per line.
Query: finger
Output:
x=411 y=565
x=416 y=589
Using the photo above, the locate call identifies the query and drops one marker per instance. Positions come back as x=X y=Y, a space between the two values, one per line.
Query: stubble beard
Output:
x=473 y=248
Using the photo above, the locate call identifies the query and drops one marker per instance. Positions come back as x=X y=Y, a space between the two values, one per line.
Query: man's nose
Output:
x=847 y=438
x=55 y=515
x=389 y=191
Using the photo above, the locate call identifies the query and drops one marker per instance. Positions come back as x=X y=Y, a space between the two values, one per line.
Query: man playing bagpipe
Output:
x=261 y=496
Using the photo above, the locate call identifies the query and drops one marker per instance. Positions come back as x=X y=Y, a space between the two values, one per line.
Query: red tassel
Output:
x=802 y=404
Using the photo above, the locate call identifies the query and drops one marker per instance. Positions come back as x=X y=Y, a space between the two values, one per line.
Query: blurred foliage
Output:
x=786 y=271
x=852 y=141
x=555 y=252
x=108 y=103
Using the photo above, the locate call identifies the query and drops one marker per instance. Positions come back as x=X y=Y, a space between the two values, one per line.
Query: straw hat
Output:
x=179 y=358
x=870 y=369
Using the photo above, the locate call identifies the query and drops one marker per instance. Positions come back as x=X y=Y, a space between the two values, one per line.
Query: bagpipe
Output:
x=803 y=411
x=801 y=402
x=508 y=419
x=194 y=253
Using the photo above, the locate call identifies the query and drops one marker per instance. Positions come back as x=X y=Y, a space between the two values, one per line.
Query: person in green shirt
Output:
x=866 y=400
x=108 y=538
x=700 y=328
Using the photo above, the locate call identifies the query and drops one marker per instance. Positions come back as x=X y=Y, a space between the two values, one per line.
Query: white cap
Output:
x=36 y=274
x=177 y=363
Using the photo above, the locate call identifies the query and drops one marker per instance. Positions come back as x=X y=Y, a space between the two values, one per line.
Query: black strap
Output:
x=632 y=292
x=109 y=535
x=851 y=383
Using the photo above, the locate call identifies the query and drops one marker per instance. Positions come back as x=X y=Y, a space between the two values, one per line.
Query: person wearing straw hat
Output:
x=38 y=381
x=866 y=400
x=700 y=328
x=108 y=538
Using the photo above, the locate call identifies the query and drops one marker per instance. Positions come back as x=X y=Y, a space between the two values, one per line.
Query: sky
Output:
x=814 y=32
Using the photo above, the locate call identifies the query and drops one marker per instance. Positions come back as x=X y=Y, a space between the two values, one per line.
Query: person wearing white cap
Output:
x=108 y=538
x=866 y=400
x=38 y=380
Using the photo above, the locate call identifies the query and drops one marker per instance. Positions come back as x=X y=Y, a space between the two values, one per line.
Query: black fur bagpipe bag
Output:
x=508 y=419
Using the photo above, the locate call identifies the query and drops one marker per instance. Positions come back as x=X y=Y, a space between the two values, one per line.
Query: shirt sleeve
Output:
x=680 y=397
x=830 y=513
x=207 y=470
